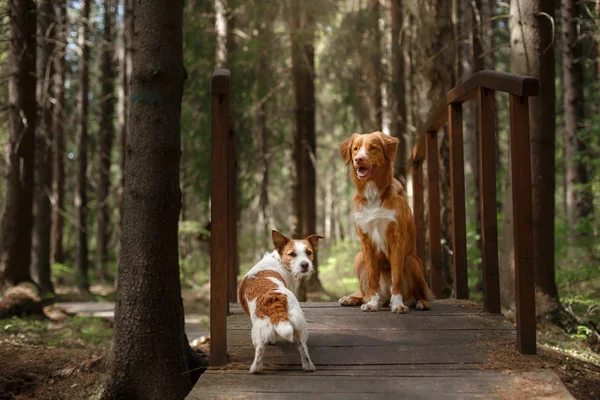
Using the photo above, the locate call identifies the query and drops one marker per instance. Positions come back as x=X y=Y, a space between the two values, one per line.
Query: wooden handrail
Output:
x=483 y=85
x=493 y=80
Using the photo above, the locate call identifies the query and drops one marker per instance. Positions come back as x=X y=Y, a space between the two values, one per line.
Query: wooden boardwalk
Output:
x=446 y=353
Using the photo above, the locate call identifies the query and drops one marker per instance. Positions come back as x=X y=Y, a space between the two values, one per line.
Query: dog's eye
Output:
x=356 y=148
x=309 y=253
x=292 y=254
x=372 y=147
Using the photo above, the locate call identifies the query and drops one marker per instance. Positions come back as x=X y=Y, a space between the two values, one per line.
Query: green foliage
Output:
x=337 y=271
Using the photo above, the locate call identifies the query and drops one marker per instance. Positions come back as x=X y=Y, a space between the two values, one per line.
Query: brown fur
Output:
x=269 y=303
x=373 y=267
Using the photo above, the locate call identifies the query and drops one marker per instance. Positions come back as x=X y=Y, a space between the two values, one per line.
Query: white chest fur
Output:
x=373 y=219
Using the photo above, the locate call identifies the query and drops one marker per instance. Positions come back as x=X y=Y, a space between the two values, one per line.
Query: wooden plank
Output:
x=220 y=216
x=433 y=203
x=232 y=211
x=383 y=355
x=487 y=195
x=419 y=208
x=457 y=192
x=522 y=224
x=391 y=322
x=309 y=385
x=364 y=338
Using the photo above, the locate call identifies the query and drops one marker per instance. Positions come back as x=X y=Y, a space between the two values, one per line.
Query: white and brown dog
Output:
x=267 y=294
x=387 y=267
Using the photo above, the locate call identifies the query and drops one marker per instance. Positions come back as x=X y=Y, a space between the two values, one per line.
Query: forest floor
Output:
x=62 y=356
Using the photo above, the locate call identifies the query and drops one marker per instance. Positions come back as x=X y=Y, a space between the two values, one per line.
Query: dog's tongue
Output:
x=362 y=172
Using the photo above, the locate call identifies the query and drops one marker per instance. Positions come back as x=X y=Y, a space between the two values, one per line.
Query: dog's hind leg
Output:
x=301 y=336
x=356 y=299
x=261 y=334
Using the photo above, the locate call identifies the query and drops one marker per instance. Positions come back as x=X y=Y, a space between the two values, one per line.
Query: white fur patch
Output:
x=397 y=305
x=373 y=304
x=373 y=219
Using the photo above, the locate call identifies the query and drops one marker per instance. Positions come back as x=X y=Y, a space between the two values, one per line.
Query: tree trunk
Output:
x=81 y=207
x=376 y=67
x=398 y=79
x=58 y=128
x=151 y=355
x=125 y=65
x=106 y=142
x=532 y=53
x=40 y=267
x=17 y=220
x=303 y=81
x=579 y=195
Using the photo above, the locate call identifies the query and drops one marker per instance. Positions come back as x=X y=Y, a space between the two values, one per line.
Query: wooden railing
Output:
x=483 y=85
x=223 y=239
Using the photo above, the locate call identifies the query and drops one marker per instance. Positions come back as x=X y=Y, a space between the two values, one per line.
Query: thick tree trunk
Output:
x=303 y=81
x=398 y=79
x=376 y=68
x=81 y=207
x=532 y=53
x=151 y=355
x=40 y=266
x=106 y=142
x=17 y=218
x=434 y=63
x=579 y=194
x=125 y=69
x=58 y=128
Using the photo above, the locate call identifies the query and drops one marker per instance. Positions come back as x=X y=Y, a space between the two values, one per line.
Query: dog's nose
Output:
x=359 y=159
x=304 y=266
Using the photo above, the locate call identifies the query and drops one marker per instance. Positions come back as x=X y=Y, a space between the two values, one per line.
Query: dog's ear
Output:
x=279 y=240
x=390 y=145
x=314 y=240
x=346 y=148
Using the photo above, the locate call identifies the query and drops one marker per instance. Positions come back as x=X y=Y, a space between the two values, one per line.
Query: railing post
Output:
x=457 y=189
x=522 y=224
x=433 y=203
x=487 y=194
x=419 y=208
x=232 y=212
x=220 y=216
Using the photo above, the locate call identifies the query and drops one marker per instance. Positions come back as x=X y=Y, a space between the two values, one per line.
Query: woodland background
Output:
x=305 y=76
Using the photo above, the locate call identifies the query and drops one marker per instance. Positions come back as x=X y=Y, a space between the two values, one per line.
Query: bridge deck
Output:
x=451 y=351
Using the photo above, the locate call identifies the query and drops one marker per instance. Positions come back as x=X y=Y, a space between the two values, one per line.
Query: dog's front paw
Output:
x=350 y=301
x=397 y=305
x=399 y=309
x=370 y=306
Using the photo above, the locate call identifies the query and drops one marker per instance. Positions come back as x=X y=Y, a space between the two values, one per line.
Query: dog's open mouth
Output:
x=364 y=172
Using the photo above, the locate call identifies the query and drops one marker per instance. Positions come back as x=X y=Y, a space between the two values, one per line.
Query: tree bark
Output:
x=303 y=81
x=151 y=355
x=125 y=65
x=40 y=267
x=434 y=63
x=17 y=219
x=58 y=130
x=398 y=79
x=81 y=207
x=532 y=53
x=106 y=142
x=579 y=195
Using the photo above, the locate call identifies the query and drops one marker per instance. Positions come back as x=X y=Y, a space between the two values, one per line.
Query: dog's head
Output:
x=296 y=254
x=370 y=153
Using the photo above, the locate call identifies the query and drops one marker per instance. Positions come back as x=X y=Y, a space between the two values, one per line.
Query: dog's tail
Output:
x=285 y=330
x=277 y=311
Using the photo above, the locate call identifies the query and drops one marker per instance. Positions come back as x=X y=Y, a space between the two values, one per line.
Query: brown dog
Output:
x=387 y=267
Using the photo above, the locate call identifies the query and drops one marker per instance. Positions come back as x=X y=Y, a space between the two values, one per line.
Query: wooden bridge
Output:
x=456 y=350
